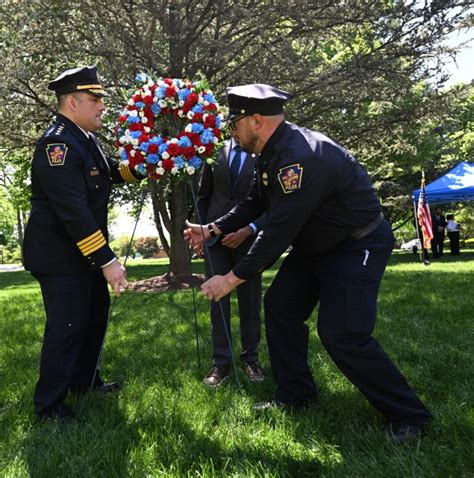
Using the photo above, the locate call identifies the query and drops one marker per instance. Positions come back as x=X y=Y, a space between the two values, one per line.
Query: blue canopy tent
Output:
x=456 y=185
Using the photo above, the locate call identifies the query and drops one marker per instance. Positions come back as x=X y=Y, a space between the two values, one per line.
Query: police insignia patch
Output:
x=290 y=178
x=56 y=154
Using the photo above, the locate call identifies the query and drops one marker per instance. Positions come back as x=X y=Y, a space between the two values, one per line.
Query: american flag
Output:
x=424 y=216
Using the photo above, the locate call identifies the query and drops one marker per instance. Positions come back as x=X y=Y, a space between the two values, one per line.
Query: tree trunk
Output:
x=180 y=256
x=20 y=227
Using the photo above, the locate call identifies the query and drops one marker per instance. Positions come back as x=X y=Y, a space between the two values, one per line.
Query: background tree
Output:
x=358 y=69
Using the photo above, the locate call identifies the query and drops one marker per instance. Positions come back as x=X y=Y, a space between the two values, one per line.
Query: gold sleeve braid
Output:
x=126 y=174
x=92 y=243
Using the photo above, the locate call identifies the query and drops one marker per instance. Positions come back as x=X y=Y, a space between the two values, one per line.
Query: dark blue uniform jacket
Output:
x=315 y=193
x=70 y=181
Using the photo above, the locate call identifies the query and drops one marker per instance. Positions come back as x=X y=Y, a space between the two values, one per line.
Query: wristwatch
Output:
x=211 y=230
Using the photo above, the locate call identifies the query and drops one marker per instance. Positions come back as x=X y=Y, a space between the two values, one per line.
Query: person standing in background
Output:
x=453 y=233
x=439 y=225
x=222 y=186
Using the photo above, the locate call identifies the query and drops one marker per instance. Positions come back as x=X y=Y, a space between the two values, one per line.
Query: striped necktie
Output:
x=235 y=165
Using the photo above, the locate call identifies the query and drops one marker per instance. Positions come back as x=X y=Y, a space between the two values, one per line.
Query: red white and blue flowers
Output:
x=169 y=126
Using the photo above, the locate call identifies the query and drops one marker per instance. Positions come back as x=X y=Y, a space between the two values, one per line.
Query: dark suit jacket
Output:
x=441 y=222
x=216 y=196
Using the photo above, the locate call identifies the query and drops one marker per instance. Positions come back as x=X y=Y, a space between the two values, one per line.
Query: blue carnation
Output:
x=160 y=92
x=218 y=121
x=207 y=137
x=195 y=162
x=184 y=142
x=139 y=104
x=142 y=78
x=133 y=119
x=183 y=94
x=141 y=168
x=135 y=134
x=156 y=140
x=198 y=109
x=179 y=161
x=162 y=148
x=156 y=109
x=197 y=128
x=123 y=155
x=144 y=146
x=210 y=98
x=152 y=158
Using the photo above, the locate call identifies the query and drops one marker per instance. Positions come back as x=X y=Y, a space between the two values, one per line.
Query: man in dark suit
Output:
x=438 y=222
x=66 y=242
x=221 y=188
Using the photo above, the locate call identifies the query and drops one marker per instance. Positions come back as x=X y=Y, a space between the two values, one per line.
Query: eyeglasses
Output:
x=232 y=123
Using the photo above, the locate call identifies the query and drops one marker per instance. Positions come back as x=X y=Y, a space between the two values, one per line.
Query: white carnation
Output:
x=130 y=102
x=174 y=170
x=190 y=115
x=201 y=149
x=165 y=155
x=144 y=120
x=133 y=113
x=162 y=104
x=160 y=171
x=190 y=170
x=189 y=128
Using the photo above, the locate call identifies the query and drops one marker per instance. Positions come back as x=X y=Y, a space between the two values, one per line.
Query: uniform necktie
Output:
x=235 y=165
x=98 y=153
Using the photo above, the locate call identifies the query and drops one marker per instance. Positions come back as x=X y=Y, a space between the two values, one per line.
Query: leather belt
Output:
x=366 y=230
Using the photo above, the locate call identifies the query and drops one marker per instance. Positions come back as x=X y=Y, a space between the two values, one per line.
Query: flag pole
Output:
x=418 y=231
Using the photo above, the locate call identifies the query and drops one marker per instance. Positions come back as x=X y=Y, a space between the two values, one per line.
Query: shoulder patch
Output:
x=290 y=178
x=56 y=153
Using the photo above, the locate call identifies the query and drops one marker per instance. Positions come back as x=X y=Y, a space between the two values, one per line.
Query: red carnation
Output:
x=168 y=81
x=122 y=119
x=170 y=92
x=135 y=127
x=152 y=148
x=210 y=107
x=209 y=148
x=210 y=121
x=144 y=138
x=217 y=133
x=136 y=98
x=173 y=149
x=188 y=153
x=148 y=100
x=167 y=164
x=197 y=118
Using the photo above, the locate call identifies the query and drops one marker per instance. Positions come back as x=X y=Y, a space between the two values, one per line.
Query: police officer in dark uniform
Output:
x=66 y=241
x=320 y=201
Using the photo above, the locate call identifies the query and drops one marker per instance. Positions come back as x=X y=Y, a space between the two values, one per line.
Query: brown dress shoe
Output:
x=254 y=372
x=216 y=375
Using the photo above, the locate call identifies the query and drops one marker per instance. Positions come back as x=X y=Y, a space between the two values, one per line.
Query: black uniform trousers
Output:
x=453 y=242
x=437 y=244
x=345 y=282
x=249 y=298
x=76 y=318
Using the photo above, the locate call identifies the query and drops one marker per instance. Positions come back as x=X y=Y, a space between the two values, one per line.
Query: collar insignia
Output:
x=56 y=153
x=290 y=178
x=265 y=178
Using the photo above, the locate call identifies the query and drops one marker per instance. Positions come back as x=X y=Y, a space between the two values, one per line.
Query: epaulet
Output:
x=54 y=130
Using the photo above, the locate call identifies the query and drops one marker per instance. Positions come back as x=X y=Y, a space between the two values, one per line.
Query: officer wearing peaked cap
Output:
x=319 y=200
x=66 y=240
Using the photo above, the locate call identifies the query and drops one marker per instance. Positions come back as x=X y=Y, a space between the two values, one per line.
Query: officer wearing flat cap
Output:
x=319 y=200
x=66 y=241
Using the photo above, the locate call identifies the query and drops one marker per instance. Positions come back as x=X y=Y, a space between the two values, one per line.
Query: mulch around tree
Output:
x=167 y=282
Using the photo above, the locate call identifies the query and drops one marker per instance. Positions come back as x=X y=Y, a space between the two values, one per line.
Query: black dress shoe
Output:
x=403 y=432
x=60 y=412
x=253 y=371
x=217 y=375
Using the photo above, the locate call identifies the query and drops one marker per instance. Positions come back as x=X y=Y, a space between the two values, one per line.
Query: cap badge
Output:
x=56 y=154
x=290 y=178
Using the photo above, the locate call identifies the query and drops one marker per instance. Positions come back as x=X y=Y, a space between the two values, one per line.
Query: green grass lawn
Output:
x=166 y=423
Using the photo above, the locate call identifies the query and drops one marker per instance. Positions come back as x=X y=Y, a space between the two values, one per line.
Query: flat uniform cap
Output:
x=255 y=98
x=83 y=79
